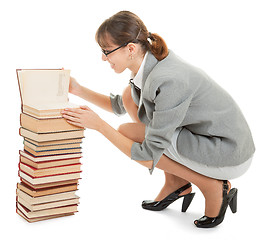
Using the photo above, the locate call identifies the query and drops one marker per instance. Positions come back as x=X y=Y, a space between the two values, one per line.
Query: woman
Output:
x=184 y=123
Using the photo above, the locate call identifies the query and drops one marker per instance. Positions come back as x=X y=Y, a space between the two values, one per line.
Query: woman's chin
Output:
x=118 y=70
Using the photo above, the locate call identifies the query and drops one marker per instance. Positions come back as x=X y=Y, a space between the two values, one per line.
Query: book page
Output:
x=44 y=87
x=52 y=105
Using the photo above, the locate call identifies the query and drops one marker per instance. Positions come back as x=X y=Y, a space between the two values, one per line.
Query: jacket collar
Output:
x=150 y=63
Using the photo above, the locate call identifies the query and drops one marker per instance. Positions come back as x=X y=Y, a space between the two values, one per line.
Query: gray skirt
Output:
x=223 y=173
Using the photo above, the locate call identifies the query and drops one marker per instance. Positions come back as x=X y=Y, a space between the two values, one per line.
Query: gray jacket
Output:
x=175 y=94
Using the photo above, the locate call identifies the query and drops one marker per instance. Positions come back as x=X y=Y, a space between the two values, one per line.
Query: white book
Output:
x=44 y=92
x=37 y=207
x=47 y=212
x=51 y=179
x=47 y=198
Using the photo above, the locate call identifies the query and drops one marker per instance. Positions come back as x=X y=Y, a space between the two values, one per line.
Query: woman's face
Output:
x=119 y=59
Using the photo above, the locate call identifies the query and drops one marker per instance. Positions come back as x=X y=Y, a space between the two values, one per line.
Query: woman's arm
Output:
x=85 y=117
x=97 y=99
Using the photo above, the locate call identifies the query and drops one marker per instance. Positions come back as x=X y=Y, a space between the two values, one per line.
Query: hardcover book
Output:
x=44 y=92
x=43 y=137
x=49 y=158
x=48 y=164
x=46 y=213
x=34 y=172
x=49 y=179
x=45 y=125
x=43 y=186
x=46 y=191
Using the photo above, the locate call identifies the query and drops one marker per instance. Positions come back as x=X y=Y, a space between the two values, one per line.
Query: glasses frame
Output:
x=106 y=53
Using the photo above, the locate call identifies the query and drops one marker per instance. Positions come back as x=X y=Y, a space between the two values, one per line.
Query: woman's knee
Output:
x=123 y=129
x=134 y=131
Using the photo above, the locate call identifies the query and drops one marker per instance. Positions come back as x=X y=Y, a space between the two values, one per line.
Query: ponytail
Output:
x=158 y=46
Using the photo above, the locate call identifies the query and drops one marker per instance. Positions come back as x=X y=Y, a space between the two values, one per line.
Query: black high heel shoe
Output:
x=160 y=205
x=228 y=199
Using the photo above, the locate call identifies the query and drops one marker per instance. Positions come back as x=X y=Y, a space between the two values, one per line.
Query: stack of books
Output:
x=49 y=165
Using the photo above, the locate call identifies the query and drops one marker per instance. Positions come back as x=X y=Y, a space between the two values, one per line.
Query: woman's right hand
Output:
x=74 y=86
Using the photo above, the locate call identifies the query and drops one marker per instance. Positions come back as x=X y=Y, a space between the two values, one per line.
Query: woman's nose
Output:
x=104 y=57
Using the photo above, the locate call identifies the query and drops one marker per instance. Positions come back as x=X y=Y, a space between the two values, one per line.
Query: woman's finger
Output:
x=71 y=113
x=73 y=119
x=85 y=107
x=73 y=110
x=74 y=123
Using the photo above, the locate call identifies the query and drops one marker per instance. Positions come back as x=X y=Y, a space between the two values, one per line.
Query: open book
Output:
x=44 y=92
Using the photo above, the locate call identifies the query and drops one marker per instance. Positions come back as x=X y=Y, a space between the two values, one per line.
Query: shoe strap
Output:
x=182 y=189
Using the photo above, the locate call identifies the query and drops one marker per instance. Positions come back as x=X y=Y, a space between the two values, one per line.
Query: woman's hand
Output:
x=82 y=117
x=74 y=86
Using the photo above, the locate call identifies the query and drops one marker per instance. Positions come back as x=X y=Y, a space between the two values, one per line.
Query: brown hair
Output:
x=125 y=27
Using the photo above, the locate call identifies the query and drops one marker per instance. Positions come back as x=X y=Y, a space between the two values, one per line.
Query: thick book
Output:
x=49 y=205
x=44 y=172
x=46 y=199
x=47 y=212
x=55 y=142
x=38 y=148
x=46 y=191
x=49 y=158
x=42 y=137
x=52 y=152
x=37 y=219
x=44 y=92
x=49 y=179
x=43 y=186
x=45 y=125
x=48 y=164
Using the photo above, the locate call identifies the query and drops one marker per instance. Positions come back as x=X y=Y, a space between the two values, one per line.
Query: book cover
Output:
x=51 y=152
x=45 y=125
x=39 y=159
x=47 y=212
x=49 y=179
x=43 y=137
x=34 y=172
x=48 y=164
x=42 y=186
x=47 y=198
x=37 y=219
x=46 y=191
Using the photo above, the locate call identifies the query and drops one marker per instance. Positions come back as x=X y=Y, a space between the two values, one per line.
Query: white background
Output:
x=225 y=38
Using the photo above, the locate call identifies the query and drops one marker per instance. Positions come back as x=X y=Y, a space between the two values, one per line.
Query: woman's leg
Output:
x=129 y=104
x=172 y=183
x=136 y=133
x=211 y=188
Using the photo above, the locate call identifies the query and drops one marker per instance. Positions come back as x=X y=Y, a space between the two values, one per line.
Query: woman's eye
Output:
x=105 y=51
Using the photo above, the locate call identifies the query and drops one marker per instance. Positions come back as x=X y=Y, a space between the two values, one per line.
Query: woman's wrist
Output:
x=102 y=126
x=78 y=90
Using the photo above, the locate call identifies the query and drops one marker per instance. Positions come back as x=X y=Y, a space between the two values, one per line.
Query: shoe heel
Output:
x=187 y=201
x=233 y=203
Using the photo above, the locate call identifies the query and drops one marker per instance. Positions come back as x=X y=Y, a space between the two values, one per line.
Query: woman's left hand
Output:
x=82 y=117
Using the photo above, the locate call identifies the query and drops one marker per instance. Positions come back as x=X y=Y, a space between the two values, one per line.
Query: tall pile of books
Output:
x=49 y=165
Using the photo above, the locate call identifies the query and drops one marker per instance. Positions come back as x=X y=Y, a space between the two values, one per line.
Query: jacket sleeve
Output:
x=117 y=104
x=171 y=101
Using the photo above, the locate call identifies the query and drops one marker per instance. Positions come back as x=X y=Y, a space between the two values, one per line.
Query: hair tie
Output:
x=151 y=37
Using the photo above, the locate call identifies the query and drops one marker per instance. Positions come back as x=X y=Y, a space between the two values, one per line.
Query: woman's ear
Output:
x=132 y=48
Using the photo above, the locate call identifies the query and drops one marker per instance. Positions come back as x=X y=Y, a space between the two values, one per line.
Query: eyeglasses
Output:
x=106 y=52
